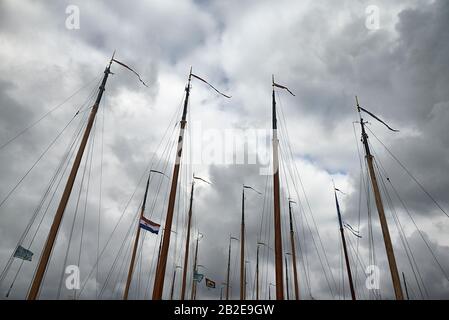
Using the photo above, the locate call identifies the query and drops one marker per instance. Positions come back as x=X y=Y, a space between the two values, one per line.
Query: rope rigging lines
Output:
x=46 y=114
x=292 y=169
x=168 y=148
x=384 y=176
x=48 y=195
x=103 y=244
x=410 y=174
x=387 y=189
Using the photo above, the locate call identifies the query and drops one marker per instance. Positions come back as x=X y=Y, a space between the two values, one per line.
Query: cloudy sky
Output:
x=326 y=52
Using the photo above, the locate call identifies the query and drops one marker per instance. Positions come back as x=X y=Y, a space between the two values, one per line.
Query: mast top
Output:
x=190 y=76
x=360 y=112
x=112 y=59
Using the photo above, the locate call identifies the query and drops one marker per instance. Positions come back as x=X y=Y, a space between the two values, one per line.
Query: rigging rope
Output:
x=129 y=201
x=36 y=212
x=42 y=201
x=43 y=154
x=52 y=252
x=40 y=205
x=37 y=161
x=414 y=223
x=410 y=174
x=31 y=125
x=61 y=278
x=295 y=170
x=402 y=235
x=100 y=192
x=92 y=144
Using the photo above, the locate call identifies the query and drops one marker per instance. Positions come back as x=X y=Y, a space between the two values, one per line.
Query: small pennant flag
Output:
x=130 y=69
x=23 y=253
x=201 y=79
x=149 y=225
x=197 y=276
x=378 y=119
x=354 y=232
x=210 y=283
x=283 y=87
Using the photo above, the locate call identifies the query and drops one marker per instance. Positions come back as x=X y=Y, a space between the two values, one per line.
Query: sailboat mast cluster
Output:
x=286 y=275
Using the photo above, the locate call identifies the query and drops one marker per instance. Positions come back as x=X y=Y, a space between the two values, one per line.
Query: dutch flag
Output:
x=149 y=225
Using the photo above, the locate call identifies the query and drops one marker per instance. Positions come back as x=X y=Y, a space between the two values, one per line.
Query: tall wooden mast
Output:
x=136 y=242
x=172 y=290
x=345 y=250
x=380 y=209
x=189 y=222
x=286 y=278
x=195 y=261
x=242 y=249
x=292 y=241
x=162 y=264
x=277 y=208
x=229 y=267
x=45 y=256
x=257 y=269
x=186 y=253
x=246 y=272
x=242 y=246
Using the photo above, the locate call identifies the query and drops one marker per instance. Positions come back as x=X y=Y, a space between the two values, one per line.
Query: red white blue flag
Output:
x=149 y=225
